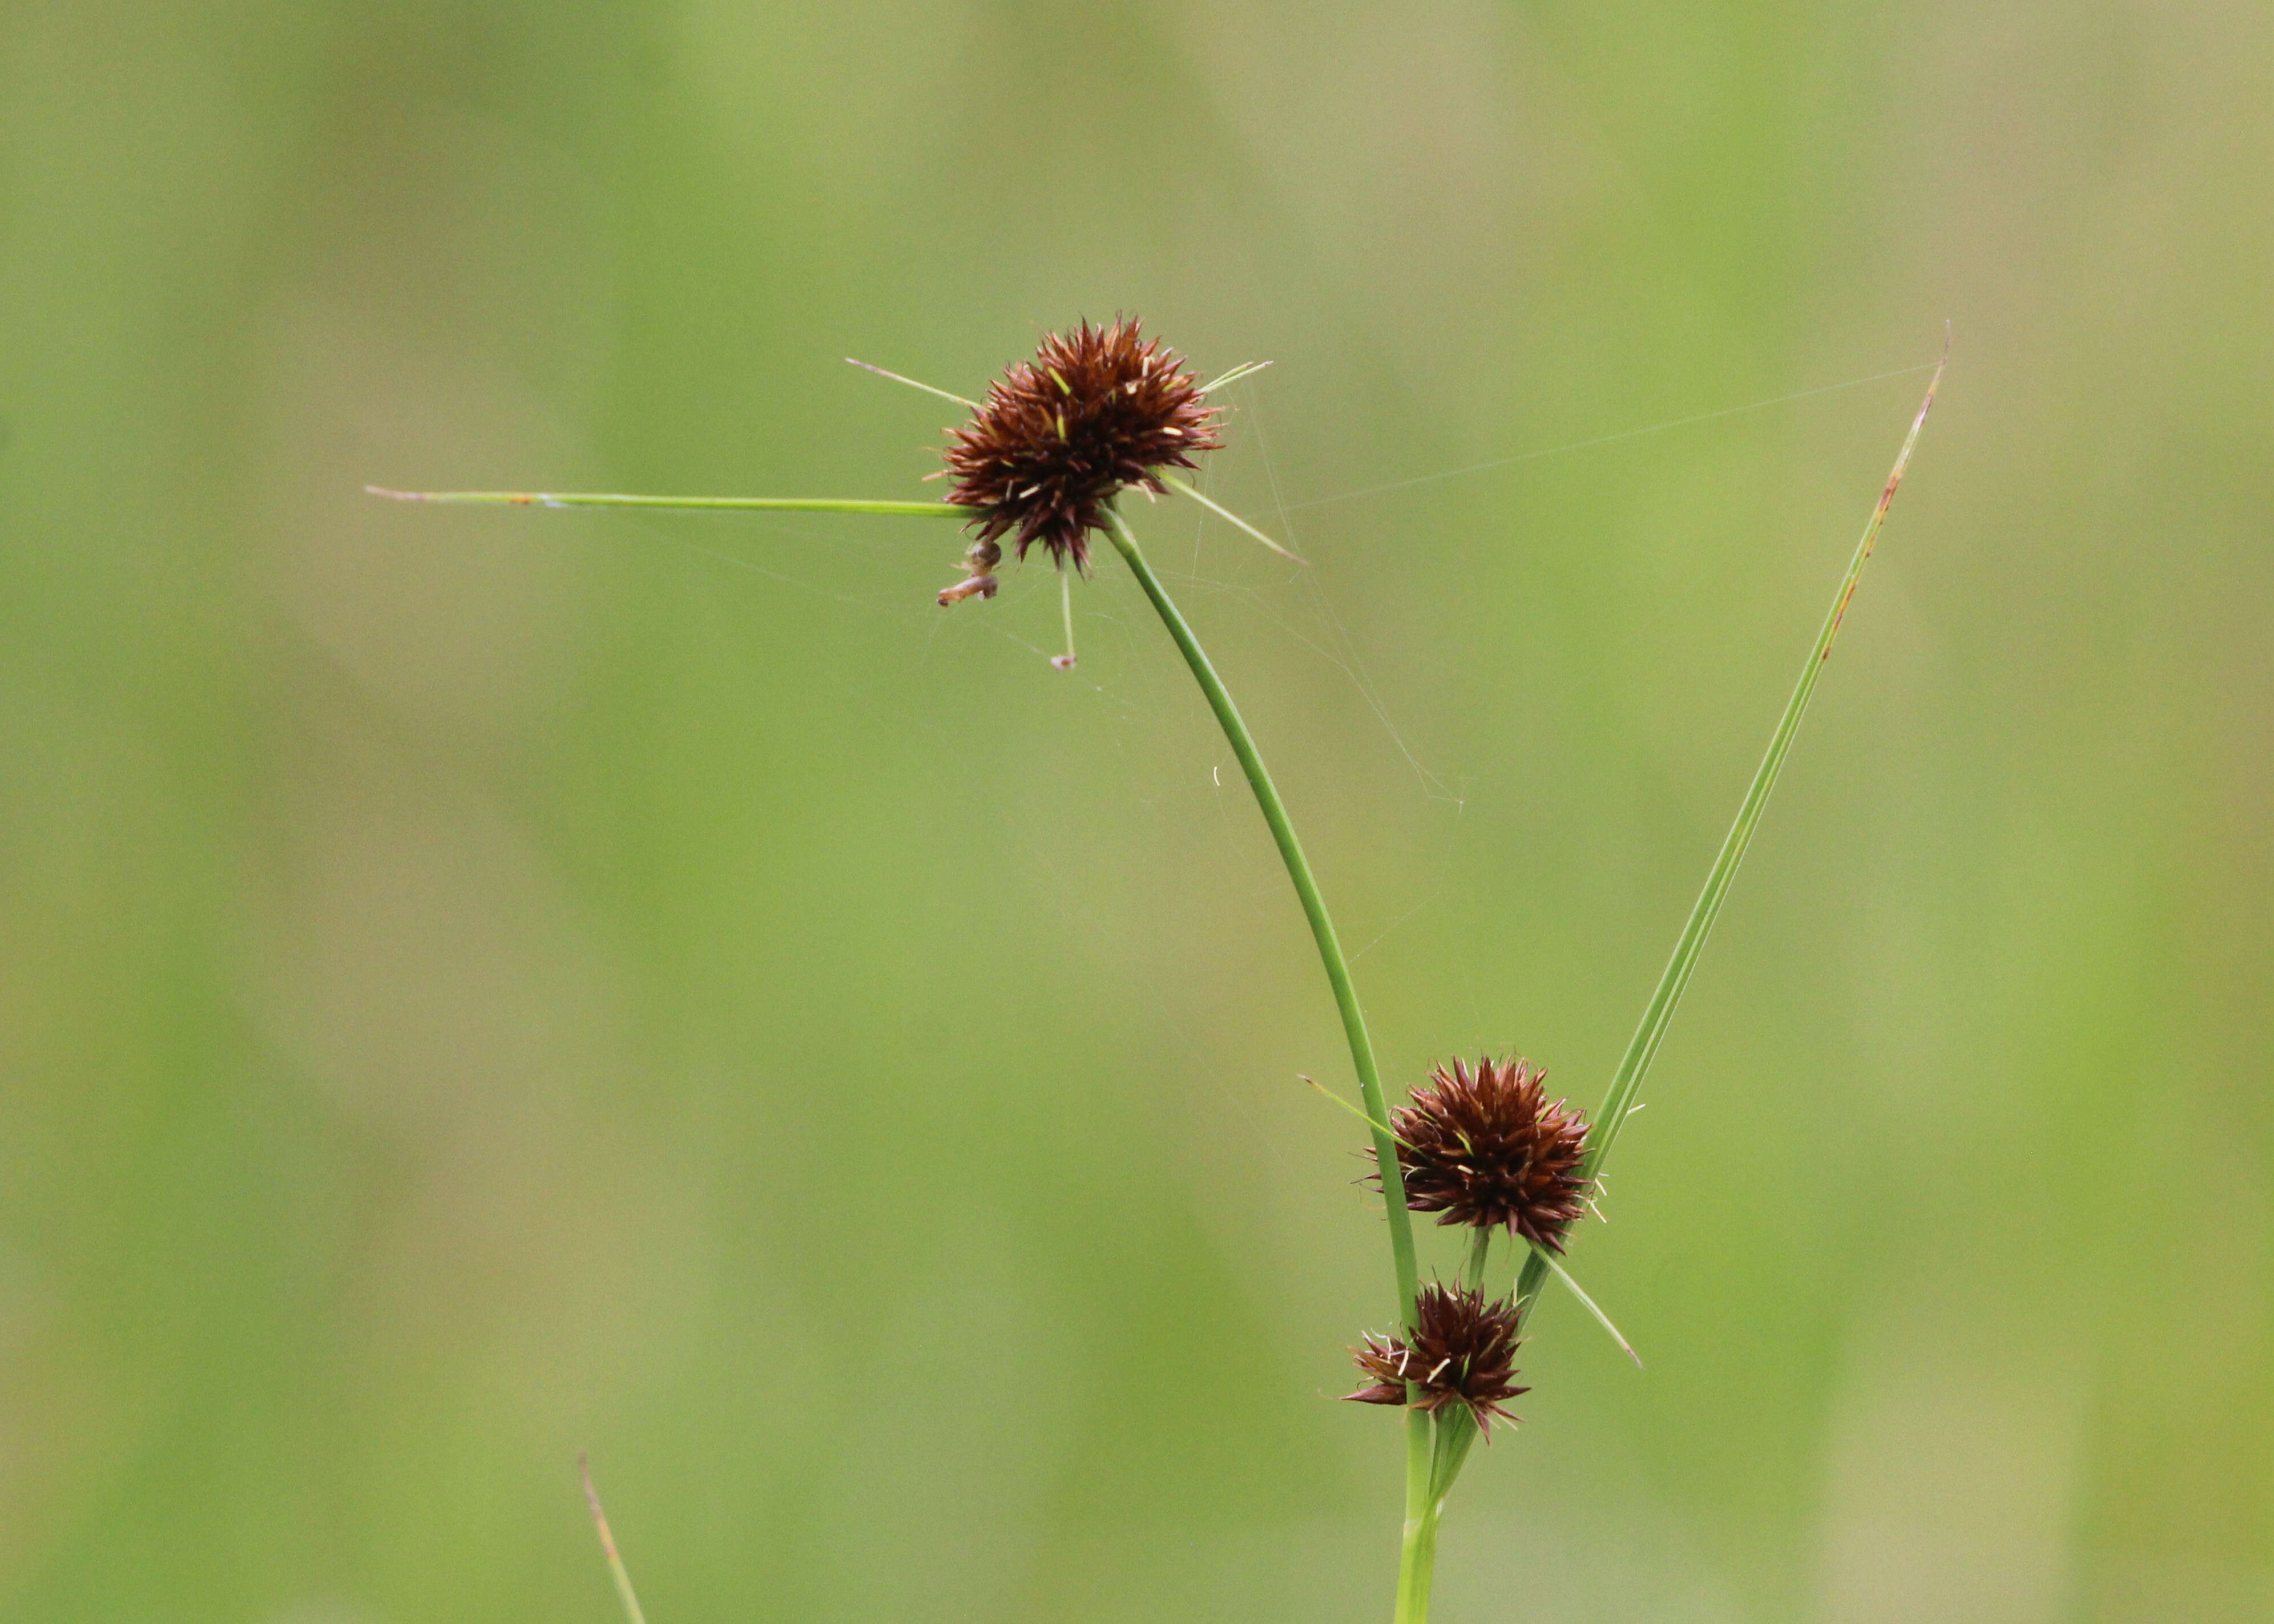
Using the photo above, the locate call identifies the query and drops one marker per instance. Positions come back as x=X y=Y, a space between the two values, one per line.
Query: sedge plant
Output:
x=1046 y=459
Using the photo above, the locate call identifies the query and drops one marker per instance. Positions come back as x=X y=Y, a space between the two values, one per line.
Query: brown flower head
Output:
x=1095 y=411
x=1486 y=1149
x=1461 y=1353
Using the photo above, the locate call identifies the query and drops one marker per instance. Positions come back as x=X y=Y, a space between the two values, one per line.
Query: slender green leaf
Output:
x=730 y=504
x=912 y=383
x=1602 y=1318
x=1329 y=1093
x=1659 y=1013
x=1226 y=514
x=1237 y=372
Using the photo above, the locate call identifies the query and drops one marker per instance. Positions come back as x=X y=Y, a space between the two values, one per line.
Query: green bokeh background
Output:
x=479 y=984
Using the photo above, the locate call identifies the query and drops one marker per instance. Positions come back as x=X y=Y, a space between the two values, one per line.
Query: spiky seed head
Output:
x=1095 y=411
x=1461 y=1353
x=1486 y=1149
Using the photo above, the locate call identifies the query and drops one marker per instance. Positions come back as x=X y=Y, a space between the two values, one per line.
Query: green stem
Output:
x=1419 y=1546
x=1417 y=1550
x=1315 y=909
x=1417 y=1565
x=711 y=504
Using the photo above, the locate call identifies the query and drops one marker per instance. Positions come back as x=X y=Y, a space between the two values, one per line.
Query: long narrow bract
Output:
x=1659 y=1013
x=708 y=504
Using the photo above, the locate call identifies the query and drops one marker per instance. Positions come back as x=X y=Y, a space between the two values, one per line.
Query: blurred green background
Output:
x=479 y=984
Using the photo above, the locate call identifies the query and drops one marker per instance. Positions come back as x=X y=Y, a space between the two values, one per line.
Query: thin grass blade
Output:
x=912 y=383
x=1329 y=1093
x=1245 y=369
x=1588 y=1302
x=609 y=1543
x=1659 y=1013
x=1226 y=514
x=721 y=504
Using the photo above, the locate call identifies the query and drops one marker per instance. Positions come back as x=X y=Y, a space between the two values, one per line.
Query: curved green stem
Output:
x=1315 y=909
x=1418 y=1550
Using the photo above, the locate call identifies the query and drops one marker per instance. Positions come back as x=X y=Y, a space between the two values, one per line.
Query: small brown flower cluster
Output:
x=1485 y=1149
x=1096 y=412
x=1460 y=1354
